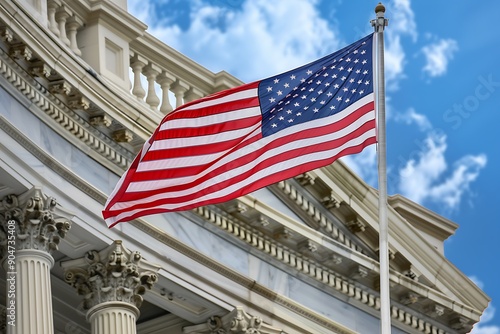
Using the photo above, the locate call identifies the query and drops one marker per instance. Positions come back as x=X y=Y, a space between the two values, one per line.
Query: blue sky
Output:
x=443 y=95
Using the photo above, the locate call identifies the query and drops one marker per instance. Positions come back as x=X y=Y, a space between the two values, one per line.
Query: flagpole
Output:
x=385 y=300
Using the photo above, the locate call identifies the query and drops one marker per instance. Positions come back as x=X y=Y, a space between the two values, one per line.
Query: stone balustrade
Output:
x=165 y=79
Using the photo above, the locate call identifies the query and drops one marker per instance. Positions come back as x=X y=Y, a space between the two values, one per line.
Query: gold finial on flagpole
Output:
x=380 y=8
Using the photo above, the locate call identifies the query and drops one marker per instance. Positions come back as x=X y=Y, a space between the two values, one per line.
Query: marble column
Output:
x=112 y=283
x=31 y=226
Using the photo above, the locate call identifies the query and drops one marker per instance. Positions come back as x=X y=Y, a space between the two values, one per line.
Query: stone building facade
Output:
x=82 y=86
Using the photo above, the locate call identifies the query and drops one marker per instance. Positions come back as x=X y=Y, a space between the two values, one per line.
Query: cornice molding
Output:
x=423 y=218
x=315 y=213
x=71 y=125
x=48 y=161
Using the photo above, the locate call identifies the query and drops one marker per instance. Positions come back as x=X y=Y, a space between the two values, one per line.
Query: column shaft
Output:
x=113 y=317
x=33 y=294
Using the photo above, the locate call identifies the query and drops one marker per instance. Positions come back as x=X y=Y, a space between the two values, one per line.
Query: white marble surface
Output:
x=266 y=273
x=202 y=240
x=51 y=142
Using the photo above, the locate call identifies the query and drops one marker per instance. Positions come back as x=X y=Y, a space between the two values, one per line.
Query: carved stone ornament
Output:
x=305 y=179
x=60 y=87
x=113 y=274
x=101 y=120
x=6 y=34
x=19 y=51
x=331 y=201
x=237 y=322
x=123 y=136
x=409 y=298
x=355 y=225
x=307 y=246
x=34 y=219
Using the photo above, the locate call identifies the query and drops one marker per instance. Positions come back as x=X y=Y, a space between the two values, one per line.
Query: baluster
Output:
x=151 y=72
x=62 y=15
x=179 y=88
x=193 y=94
x=73 y=25
x=137 y=64
x=165 y=80
x=51 y=11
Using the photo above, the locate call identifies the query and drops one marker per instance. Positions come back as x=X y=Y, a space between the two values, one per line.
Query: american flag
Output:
x=237 y=141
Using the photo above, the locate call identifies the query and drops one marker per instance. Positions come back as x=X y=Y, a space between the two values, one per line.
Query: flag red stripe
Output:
x=222 y=108
x=212 y=143
x=161 y=174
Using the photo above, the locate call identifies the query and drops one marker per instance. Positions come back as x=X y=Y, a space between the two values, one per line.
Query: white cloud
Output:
x=412 y=117
x=418 y=174
x=466 y=170
x=427 y=176
x=489 y=314
x=142 y=10
x=394 y=59
x=477 y=281
x=402 y=18
x=402 y=23
x=438 y=55
x=486 y=330
x=364 y=164
x=254 y=41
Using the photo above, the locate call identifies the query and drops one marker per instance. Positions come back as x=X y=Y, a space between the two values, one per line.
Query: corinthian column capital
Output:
x=34 y=219
x=114 y=274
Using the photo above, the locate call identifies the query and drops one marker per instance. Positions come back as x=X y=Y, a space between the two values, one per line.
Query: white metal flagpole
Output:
x=385 y=300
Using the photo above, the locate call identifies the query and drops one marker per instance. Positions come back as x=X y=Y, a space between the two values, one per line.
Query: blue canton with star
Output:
x=319 y=89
